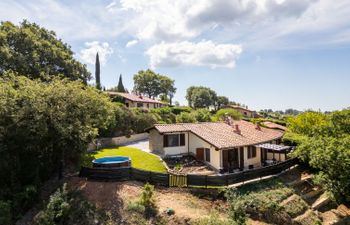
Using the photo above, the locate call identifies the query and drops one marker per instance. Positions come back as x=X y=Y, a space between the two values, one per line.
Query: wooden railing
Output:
x=163 y=179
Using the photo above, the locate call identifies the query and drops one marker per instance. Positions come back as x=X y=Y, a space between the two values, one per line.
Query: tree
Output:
x=151 y=84
x=120 y=87
x=97 y=72
x=222 y=101
x=201 y=97
x=222 y=113
x=43 y=124
x=324 y=143
x=35 y=52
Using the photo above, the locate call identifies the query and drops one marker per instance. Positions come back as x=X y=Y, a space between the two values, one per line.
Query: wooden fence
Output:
x=164 y=179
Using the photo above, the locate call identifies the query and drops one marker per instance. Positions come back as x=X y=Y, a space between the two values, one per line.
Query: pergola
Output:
x=273 y=148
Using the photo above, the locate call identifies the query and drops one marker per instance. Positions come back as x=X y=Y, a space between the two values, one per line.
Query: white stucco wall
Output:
x=252 y=161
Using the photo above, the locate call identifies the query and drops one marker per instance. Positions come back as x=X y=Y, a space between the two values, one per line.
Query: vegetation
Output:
x=139 y=159
x=146 y=204
x=324 y=143
x=42 y=127
x=222 y=113
x=37 y=53
x=120 y=87
x=260 y=201
x=97 y=72
x=151 y=84
x=129 y=121
x=201 y=97
x=214 y=218
x=69 y=207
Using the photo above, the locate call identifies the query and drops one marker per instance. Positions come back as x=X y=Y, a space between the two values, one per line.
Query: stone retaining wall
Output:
x=115 y=141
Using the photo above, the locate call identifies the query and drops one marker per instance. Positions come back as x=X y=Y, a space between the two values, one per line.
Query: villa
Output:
x=244 y=111
x=225 y=146
x=139 y=101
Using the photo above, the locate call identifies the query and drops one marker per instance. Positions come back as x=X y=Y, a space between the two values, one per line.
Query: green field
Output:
x=139 y=159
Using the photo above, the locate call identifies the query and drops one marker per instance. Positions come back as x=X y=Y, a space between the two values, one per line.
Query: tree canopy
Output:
x=120 y=87
x=324 y=143
x=42 y=124
x=201 y=97
x=152 y=84
x=35 y=52
x=98 y=72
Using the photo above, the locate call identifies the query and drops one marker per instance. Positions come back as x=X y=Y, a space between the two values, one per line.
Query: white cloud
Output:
x=131 y=43
x=88 y=55
x=204 y=53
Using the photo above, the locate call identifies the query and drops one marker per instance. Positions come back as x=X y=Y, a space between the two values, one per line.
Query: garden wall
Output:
x=115 y=141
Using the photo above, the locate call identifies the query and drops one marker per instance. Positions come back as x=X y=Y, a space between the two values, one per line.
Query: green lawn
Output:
x=139 y=159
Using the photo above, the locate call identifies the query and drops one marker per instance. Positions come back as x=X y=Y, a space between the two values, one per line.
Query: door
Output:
x=233 y=158
x=200 y=154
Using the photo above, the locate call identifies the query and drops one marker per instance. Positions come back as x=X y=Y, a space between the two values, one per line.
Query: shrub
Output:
x=5 y=212
x=179 y=109
x=57 y=209
x=214 y=218
x=135 y=207
x=202 y=115
x=147 y=200
x=222 y=113
x=185 y=117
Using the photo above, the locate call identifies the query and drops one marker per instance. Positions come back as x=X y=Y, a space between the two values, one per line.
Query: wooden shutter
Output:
x=182 y=139
x=165 y=140
x=254 y=152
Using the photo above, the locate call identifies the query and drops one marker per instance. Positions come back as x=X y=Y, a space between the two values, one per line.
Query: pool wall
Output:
x=112 y=162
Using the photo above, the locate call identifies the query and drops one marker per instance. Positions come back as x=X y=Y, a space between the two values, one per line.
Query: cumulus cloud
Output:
x=204 y=53
x=88 y=55
x=131 y=43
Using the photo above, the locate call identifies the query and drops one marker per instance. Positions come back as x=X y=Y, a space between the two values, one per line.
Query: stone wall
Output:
x=115 y=141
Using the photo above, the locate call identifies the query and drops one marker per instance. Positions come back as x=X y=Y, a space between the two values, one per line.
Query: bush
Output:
x=222 y=113
x=135 y=207
x=179 y=109
x=214 y=218
x=165 y=115
x=202 y=115
x=70 y=207
x=5 y=212
x=185 y=117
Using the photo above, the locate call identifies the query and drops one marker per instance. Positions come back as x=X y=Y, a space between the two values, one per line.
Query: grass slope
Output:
x=139 y=159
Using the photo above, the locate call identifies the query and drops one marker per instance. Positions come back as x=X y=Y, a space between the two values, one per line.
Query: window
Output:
x=207 y=154
x=251 y=152
x=173 y=140
x=139 y=104
x=147 y=105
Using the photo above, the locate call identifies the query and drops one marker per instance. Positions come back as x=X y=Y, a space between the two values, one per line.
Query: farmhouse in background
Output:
x=225 y=146
x=244 y=110
x=139 y=101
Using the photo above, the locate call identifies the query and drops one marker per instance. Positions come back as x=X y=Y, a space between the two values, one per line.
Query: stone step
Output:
x=321 y=201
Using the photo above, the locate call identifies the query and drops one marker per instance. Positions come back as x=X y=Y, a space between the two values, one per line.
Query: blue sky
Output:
x=275 y=54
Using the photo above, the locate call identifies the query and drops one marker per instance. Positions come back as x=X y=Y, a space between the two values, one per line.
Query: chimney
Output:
x=237 y=130
x=258 y=127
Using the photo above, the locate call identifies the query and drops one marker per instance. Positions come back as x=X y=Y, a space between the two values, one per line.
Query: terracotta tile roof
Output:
x=134 y=98
x=222 y=135
x=272 y=125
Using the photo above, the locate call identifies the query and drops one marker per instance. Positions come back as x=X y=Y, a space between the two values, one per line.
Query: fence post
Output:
x=226 y=180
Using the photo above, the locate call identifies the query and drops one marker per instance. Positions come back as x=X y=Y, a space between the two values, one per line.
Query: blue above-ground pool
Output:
x=112 y=162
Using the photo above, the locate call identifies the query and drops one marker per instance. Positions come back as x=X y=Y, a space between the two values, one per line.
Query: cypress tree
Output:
x=97 y=72
x=120 y=87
